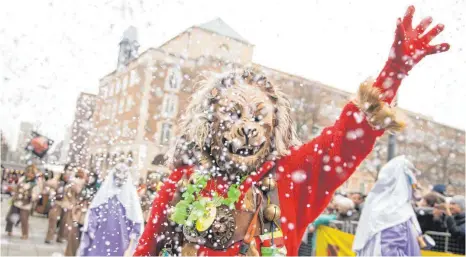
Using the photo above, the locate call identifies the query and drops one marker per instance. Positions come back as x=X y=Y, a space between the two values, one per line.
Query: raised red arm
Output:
x=410 y=46
x=332 y=157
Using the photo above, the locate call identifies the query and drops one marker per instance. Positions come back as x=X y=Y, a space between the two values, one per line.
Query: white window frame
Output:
x=316 y=130
x=124 y=83
x=104 y=91
x=121 y=106
x=117 y=86
x=110 y=90
x=108 y=111
x=129 y=103
x=173 y=73
x=114 y=110
x=163 y=132
x=124 y=128
x=170 y=105
x=134 y=78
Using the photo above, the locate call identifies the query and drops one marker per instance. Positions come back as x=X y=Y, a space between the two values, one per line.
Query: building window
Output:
x=102 y=113
x=362 y=187
x=129 y=103
x=110 y=90
x=117 y=86
x=121 y=108
x=126 y=132
x=316 y=130
x=114 y=110
x=104 y=92
x=124 y=83
x=108 y=111
x=225 y=47
x=173 y=80
x=169 y=105
x=165 y=134
x=134 y=78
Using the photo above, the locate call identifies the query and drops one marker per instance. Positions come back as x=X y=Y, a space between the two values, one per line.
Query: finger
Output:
x=400 y=31
x=423 y=25
x=408 y=18
x=432 y=33
x=440 y=48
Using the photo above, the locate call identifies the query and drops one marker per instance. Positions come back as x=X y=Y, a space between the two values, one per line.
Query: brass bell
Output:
x=268 y=184
x=272 y=212
x=182 y=185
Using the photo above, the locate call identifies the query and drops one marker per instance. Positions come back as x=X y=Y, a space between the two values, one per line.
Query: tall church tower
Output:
x=128 y=47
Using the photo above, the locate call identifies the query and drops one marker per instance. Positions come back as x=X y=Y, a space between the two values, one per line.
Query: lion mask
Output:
x=233 y=124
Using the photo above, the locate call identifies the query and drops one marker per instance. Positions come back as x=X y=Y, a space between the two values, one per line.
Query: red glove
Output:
x=409 y=47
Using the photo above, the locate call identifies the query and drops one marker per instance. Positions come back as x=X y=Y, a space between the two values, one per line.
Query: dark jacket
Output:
x=455 y=225
x=427 y=222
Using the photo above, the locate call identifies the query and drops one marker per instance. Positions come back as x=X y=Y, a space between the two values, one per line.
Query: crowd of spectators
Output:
x=439 y=215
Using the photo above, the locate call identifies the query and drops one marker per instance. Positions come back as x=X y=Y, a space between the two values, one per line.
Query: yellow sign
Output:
x=333 y=242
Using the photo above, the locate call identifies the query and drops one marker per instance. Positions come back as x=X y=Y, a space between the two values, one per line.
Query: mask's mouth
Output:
x=244 y=150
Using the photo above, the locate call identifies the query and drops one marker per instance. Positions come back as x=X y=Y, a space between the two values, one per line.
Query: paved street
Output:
x=34 y=246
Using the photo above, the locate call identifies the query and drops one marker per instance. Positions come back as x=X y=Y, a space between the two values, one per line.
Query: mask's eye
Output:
x=234 y=114
x=258 y=118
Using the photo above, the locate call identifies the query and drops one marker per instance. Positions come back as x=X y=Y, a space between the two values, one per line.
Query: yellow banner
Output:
x=333 y=242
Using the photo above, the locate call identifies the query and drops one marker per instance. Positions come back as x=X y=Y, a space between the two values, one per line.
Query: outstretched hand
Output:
x=411 y=44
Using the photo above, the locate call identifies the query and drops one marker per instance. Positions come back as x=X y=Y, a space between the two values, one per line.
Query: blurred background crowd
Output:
x=440 y=215
x=63 y=198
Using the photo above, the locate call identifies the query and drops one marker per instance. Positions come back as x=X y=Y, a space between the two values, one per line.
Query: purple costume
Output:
x=388 y=224
x=399 y=240
x=114 y=222
x=106 y=231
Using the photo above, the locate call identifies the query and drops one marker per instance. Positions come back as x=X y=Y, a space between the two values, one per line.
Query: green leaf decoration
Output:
x=194 y=206
x=188 y=197
x=191 y=189
x=234 y=193
x=178 y=217
x=197 y=206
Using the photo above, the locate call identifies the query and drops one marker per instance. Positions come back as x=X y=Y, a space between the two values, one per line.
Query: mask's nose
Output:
x=247 y=132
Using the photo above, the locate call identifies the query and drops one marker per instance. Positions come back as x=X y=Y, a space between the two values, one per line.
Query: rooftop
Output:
x=220 y=27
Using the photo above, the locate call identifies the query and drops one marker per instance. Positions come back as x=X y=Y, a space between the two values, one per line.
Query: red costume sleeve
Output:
x=331 y=158
x=326 y=162
x=148 y=240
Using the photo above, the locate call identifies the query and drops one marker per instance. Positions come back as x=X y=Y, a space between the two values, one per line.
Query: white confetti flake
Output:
x=298 y=176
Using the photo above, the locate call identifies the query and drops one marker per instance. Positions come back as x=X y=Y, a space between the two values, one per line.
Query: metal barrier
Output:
x=345 y=226
x=443 y=240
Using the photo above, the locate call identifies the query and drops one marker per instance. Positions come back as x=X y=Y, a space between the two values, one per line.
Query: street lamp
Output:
x=392 y=138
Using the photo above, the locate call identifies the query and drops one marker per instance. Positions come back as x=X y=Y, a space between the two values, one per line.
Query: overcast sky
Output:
x=52 y=50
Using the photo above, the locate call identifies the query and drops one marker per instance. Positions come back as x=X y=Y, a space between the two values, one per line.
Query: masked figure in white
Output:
x=114 y=220
x=388 y=224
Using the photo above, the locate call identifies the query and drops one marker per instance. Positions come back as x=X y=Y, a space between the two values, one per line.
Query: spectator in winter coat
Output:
x=439 y=188
x=454 y=212
x=358 y=200
x=429 y=215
